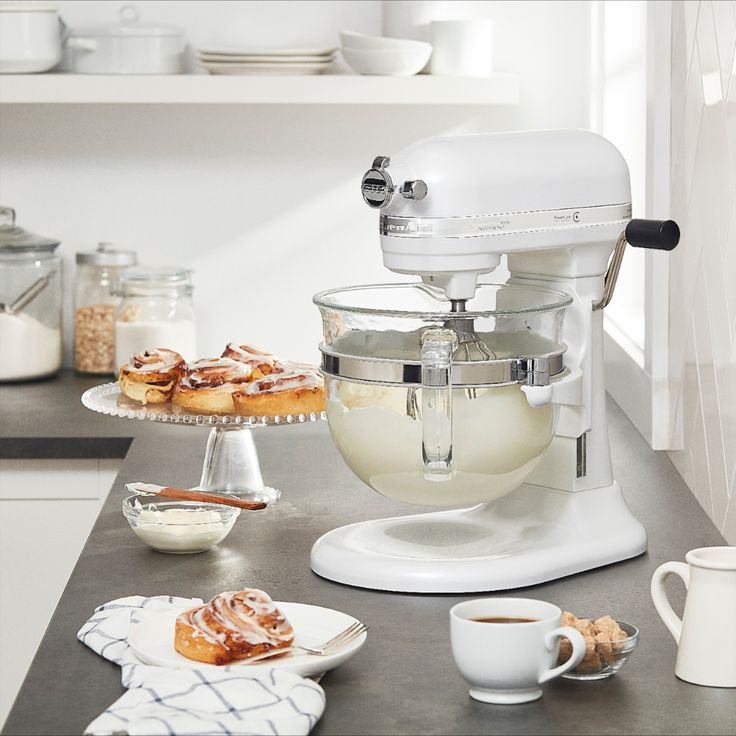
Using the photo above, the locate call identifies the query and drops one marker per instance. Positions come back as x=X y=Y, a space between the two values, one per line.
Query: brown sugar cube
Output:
x=606 y=625
x=568 y=619
x=618 y=634
x=585 y=627
x=604 y=648
x=565 y=650
x=617 y=638
x=591 y=662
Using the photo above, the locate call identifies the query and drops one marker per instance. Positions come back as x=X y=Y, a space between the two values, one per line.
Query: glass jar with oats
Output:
x=96 y=299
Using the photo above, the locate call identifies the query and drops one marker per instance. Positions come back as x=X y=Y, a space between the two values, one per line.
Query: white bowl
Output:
x=387 y=62
x=352 y=40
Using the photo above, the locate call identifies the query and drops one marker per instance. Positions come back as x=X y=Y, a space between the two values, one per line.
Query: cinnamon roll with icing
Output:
x=298 y=390
x=261 y=362
x=231 y=627
x=207 y=385
x=151 y=375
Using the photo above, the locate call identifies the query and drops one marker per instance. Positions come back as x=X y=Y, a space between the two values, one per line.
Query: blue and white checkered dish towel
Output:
x=223 y=700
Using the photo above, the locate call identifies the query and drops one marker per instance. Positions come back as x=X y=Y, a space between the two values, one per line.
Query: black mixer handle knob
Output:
x=654 y=234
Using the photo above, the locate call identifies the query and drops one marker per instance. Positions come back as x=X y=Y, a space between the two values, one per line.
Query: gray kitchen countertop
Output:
x=404 y=680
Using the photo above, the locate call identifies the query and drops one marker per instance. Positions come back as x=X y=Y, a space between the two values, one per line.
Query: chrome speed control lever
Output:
x=378 y=188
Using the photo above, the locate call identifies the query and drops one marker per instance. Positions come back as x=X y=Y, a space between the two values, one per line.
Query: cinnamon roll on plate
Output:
x=150 y=376
x=207 y=385
x=261 y=362
x=298 y=390
x=231 y=627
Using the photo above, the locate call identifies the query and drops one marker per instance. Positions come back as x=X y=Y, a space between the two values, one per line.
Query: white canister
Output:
x=126 y=47
x=462 y=48
x=30 y=38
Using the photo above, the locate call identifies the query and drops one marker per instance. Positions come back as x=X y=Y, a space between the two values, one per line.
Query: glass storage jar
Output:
x=96 y=297
x=156 y=311
x=30 y=297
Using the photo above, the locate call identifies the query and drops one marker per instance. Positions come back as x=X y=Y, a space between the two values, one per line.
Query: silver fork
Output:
x=339 y=641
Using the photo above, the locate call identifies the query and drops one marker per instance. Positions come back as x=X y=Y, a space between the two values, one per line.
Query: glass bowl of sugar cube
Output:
x=608 y=645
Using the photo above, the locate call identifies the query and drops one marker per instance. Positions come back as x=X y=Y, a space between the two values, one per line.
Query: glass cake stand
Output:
x=231 y=461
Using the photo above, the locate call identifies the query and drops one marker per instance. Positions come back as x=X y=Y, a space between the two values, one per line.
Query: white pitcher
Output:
x=706 y=635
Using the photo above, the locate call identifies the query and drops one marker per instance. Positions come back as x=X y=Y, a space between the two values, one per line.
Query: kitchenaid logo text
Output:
x=407 y=227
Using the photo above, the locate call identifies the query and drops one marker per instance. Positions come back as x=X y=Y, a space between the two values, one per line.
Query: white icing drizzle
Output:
x=287 y=381
x=154 y=360
x=249 y=355
x=247 y=617
x=215 y=372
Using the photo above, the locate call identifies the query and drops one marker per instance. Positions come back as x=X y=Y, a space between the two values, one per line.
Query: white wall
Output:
x=262 y=201
x=703 y=267
x=621 y=115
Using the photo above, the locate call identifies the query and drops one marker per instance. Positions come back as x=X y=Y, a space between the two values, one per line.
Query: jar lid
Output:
x=128 y=25
x=150 y=279
x=15 y=239
x=107 y=255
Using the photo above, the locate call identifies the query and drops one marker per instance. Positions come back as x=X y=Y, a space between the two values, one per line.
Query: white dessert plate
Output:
x=233 y=51
x=258 y=68
x=152 y=641
x=248 y=59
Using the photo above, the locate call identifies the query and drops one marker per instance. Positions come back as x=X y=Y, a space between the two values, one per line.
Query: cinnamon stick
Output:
x=185 y=495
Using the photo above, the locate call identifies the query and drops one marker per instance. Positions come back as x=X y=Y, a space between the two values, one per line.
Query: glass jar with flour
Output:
x=30 y=302
x=156 y=311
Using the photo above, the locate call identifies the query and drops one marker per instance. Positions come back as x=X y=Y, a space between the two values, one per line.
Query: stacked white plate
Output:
x=265 y=61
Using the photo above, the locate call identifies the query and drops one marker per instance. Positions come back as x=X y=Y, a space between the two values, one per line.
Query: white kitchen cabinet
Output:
x=47 y=510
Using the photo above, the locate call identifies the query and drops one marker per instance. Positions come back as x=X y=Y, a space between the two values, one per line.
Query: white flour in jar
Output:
x=133 y=337
x=28 y=348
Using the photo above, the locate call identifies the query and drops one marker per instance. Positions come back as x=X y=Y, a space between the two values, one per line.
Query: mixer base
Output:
x=532 y=535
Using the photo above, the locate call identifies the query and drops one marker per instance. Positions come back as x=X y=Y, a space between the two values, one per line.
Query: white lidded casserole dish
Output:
x=126 y=47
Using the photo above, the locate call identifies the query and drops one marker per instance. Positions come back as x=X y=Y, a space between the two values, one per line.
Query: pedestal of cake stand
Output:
x=532 y=535
x=231 y=465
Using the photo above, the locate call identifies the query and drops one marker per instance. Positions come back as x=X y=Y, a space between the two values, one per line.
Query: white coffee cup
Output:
x=507 y=662
x=706 y=635
x=462 y=48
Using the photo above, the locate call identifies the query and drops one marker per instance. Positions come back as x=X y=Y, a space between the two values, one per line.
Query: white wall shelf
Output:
x=338 y=89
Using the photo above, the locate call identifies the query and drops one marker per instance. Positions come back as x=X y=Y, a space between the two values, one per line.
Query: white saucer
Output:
x=263 y=59
x=152 y=640
x=259 y=68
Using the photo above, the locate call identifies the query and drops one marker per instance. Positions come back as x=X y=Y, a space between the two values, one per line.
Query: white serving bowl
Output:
x=387 y=62
x=352 y=40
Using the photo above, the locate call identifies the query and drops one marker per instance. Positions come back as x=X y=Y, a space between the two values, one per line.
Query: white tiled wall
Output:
x=703 y=268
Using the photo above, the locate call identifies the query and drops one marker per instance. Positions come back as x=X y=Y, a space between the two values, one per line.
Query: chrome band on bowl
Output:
x=535 y=370
x=508 y=223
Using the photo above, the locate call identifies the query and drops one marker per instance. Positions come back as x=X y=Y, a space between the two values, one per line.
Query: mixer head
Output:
x=451 y=206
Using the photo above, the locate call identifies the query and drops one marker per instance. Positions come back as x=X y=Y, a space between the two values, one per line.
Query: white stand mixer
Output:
x=557 y=203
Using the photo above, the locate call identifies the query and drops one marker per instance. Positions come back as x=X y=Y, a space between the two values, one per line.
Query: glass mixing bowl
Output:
x=425 y=403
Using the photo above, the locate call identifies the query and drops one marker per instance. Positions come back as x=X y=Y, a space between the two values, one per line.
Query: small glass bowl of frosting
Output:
x=179 y=527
